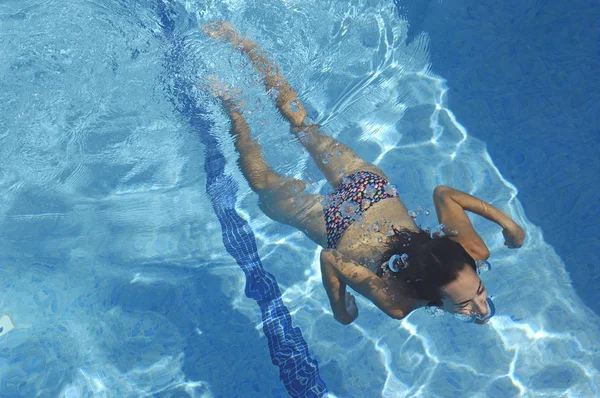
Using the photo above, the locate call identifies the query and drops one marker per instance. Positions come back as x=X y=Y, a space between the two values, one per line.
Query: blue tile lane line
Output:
x=289 y=351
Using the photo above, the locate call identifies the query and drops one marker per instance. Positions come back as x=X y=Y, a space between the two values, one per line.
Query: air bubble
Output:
x=483 y=266
x=326 y=158
x=370 y=190
x=412 y=214
x=463 y=317
x=404 y=259
x=349 y=209
x=435 y=311
x=437 y=231
x=393 y=263
x=398 y=262
x=294 y=106
x=273 y=92
x=390 y=189
x=375 y=227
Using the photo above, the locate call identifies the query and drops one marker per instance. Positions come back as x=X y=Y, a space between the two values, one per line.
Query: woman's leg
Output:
x=334 y=159
x=281 y=198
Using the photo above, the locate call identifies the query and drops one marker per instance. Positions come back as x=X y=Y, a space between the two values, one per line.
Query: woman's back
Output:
x=365 y=241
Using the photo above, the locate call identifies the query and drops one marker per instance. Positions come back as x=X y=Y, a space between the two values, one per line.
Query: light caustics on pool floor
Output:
x=528 y=349
x=114 y=235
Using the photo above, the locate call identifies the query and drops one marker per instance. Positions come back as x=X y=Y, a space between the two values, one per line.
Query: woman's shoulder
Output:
x=400 y=302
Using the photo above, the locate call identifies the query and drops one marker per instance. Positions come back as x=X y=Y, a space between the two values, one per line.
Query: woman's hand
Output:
x=351 y=307
x=350 y=312
x=513 y=236
x=451 y=204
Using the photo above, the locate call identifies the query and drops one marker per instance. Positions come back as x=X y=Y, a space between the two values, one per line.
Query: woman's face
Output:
x=466 y=294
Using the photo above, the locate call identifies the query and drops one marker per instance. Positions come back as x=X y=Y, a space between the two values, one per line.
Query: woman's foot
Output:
x=225 y=31
x=285 y=97
x=221 y=91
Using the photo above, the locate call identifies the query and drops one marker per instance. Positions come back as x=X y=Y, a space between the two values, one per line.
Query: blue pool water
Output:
x=122 y=274
x=535 y=102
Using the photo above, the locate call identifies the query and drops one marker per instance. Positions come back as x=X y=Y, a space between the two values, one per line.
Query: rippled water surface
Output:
x=113 y=269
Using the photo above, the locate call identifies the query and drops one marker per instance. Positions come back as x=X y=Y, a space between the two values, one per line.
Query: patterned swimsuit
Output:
x=352 y=197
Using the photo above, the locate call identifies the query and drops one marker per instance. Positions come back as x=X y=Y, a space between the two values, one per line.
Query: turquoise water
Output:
x=113 y=269
x=523 y=79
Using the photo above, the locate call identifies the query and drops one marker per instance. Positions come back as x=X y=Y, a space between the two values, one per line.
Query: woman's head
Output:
x=466 y=295
x=437 y=270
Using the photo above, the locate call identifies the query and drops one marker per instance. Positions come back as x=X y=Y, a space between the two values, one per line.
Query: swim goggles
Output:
x=470 y=318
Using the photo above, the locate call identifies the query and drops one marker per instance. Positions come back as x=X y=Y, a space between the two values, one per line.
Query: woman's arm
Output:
x=336 y=291
x=451 y=204
x=338 y=271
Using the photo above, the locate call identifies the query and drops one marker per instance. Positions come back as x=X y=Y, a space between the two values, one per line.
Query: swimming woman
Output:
x=385 y=256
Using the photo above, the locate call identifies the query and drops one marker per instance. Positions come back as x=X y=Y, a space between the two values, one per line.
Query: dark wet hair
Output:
x=430 y=263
